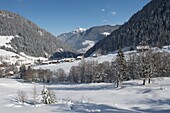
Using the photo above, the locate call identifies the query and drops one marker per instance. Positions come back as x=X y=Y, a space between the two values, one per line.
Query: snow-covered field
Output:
x=90 y=98
x=67 y=65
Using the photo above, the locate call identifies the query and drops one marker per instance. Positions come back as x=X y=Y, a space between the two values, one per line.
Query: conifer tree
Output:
x=22 y=71
x=120 y=67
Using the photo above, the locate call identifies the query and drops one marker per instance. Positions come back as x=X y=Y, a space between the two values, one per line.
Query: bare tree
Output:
x=61 y=75
x=132 y=67
x=74 y=74
x=35 y=95
x=82 y=66
x=22 y=96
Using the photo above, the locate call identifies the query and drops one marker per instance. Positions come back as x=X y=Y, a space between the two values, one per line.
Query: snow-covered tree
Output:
x=48 y=96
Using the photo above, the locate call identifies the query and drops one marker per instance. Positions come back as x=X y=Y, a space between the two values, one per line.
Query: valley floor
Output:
x=90 y=98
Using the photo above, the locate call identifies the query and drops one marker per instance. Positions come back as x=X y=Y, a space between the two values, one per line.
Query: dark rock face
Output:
x=151 y=24
x=29 y=38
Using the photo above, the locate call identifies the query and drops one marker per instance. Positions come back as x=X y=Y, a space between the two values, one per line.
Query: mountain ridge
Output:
x=28 y=37
x=150 y=24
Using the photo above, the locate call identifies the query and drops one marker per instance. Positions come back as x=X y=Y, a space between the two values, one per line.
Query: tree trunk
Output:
x=149 y=81
x=144 y=82
x=117 y=83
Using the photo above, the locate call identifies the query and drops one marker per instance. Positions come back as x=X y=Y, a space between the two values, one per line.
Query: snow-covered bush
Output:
x=22 y=96
x=35 y=95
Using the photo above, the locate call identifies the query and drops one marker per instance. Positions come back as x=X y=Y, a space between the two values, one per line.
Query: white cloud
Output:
x=113 y=13
x=104 y=21
x=103 y=10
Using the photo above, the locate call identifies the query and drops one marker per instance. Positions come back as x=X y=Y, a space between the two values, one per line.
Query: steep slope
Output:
x=151 y=24
x=83 y=39
x=27 y=37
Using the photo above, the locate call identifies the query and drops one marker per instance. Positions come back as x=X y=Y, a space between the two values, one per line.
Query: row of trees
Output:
x=43 y=76
x=143 y=65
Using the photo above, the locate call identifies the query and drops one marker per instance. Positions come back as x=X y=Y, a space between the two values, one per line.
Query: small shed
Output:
x=142 y=48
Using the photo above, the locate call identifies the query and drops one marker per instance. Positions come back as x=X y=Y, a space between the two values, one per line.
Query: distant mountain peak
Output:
x=79 y=30
x=82 y=39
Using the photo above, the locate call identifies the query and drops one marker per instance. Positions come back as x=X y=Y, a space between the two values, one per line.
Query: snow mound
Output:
x=105 y=33
x=89 y=44
x=5 y=41
x=79 y=30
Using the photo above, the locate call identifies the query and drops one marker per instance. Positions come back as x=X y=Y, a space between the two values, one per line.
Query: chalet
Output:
x=95 y=55
x=45 y=62
x=20 y=61
x=69 y=59
x=54 y=61
x=141 y=48
x=10 y=73
x=79 y=57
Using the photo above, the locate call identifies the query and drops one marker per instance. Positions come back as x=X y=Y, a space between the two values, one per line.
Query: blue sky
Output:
x=59 y=16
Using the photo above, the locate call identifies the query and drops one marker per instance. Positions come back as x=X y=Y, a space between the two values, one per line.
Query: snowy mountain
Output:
x=151 y=24
x=18 y=34
x=83 y=39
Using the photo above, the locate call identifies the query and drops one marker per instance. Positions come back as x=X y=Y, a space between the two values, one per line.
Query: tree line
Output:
x=142 y=65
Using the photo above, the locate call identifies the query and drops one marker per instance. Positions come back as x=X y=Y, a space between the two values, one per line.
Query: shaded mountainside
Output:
x=63 y=54
x=82 y=39
x=28 y=37
x=151 y=24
